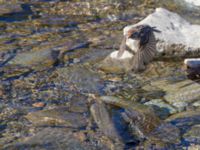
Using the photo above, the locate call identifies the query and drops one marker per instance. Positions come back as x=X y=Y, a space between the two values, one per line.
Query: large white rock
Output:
x=194 y=2
x=177 y=34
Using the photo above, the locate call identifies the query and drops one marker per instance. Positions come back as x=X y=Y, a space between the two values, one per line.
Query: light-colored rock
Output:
x=194 y=2
x=161 y=107
x=196 y=104
x=192 y=62
x=179 y=94
x=193 y=147
x=177 y=35
x=114 y=64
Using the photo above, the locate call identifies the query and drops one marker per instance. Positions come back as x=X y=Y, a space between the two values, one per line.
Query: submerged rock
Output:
x=50 y=138
x=82 y=77
x=57 y=117
x=185 y=120
x=144 y=124
x=9 y=8
x=166 y=133
x=177 y=37
x=141 y=117
x=104 y=121
x=193 y=135
x=165 y=136
x=118 y=65
x=36 y=59
x=14 y=71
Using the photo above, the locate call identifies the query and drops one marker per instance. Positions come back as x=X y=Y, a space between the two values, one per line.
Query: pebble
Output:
x=38 y=104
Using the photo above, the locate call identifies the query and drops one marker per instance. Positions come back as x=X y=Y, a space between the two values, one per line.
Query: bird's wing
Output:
x=145 y=53
x=138 y=61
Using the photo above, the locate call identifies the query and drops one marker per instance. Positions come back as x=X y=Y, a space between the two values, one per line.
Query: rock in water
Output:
x=83 y=78
x=104 y=121
x=192 y=62
x=193 y=134
x=179 y=94
x=57 y=117
x=143 y=118
x=36 y=59
x=192 y=66
x=50 y=138
x=118 y=65
x=177 y=37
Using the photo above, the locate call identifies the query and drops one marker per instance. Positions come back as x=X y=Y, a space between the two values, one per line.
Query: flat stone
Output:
x=104 y=121
x=82 y=77
x=50 y=138
x=166 y=133
x=185 y=120
x=179 y=94
x=36 y=59
x=57 y=117
x=177 y=36
x=161 y=108
x=140 y=116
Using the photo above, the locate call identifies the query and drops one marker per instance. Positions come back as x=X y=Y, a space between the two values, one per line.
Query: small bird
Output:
x=145 y=42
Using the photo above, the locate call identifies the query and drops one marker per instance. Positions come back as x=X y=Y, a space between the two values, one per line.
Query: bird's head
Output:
x=141 y=33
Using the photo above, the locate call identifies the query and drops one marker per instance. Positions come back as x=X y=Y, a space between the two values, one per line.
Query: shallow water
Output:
x=48 y=55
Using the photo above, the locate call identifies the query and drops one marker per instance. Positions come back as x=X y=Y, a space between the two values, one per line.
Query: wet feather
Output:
x=146 y=49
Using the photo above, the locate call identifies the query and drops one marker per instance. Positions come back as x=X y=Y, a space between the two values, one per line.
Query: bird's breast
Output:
x=132 y=44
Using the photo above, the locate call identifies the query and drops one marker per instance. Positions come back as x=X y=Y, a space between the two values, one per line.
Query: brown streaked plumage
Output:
x=146 y=47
